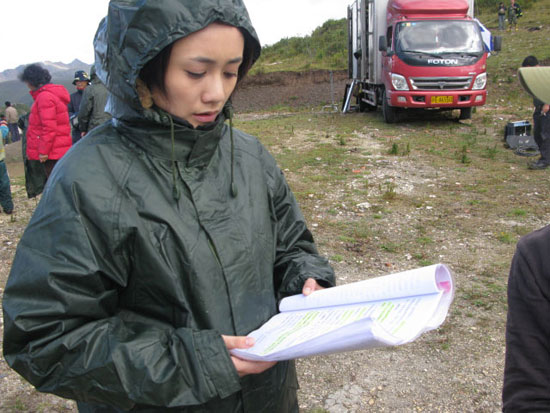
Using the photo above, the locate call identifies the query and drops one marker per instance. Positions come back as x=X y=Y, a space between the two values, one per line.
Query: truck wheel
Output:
x=388 y=112
x=465 y=113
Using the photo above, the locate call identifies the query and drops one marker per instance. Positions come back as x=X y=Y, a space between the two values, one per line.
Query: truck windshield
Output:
x=439 y=37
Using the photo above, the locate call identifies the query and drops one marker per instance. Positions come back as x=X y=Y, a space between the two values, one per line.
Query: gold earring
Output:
x=144 y=94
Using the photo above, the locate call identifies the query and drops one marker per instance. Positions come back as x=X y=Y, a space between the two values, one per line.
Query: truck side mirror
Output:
x=382 y=44
x=496 y=41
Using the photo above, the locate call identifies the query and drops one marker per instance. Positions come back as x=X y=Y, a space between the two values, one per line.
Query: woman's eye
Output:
x=195 y=75
x=231 y=74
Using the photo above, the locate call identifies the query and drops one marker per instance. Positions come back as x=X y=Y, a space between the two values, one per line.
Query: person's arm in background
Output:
x=85 y=110
x=72 y=110
x=527 y=366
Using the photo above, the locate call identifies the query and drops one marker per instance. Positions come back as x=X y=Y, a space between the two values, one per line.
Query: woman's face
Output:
x=31 y=87
x=201 y=74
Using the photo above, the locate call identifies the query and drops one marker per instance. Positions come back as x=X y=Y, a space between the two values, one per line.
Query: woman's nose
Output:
x=215 y=90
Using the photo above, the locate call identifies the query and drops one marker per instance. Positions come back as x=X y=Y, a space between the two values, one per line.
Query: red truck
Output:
x=423 y=54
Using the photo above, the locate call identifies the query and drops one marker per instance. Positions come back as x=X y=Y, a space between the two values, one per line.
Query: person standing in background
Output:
x=49 y=132
x=81 y=81
x=539 y=117
x=5 y=190
x=5 y=130
x=11 y=118
x=92 y=108
x=514 y=12
x=35 y=177
x=501 y=16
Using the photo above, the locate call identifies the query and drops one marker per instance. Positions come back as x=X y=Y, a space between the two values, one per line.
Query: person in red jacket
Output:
x=49 y=132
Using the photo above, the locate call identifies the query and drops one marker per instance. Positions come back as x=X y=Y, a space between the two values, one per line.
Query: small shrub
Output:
x=518 y=212
x=464 y=158
x=389 y=191
x=490 y=153
x=506 y=238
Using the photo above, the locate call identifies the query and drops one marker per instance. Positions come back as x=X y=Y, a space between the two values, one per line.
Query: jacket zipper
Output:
x=213 y=248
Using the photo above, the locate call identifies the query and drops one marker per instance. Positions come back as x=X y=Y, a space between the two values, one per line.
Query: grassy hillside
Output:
x=325 y=48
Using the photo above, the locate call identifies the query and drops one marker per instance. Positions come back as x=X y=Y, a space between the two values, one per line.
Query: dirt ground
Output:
x=457 y=368
x=282 y=90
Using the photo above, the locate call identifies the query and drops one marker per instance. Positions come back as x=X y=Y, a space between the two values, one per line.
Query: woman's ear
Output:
x=144 y=94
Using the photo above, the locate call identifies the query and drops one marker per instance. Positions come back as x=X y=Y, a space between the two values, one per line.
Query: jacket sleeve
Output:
x=65 y=332
x=86 y=107
x=47 y=113
x=70 y=107
x=297 y=258
x=527 y=364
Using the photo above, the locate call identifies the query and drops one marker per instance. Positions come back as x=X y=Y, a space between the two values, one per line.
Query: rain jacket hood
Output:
x=135 y=31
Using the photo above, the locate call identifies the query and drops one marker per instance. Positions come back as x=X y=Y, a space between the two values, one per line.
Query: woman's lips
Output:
x=206 y=117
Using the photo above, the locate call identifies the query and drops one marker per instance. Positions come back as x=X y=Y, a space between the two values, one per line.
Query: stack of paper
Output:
x=383 y=311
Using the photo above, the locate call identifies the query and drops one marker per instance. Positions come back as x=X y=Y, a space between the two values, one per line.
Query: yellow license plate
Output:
x=442 y=99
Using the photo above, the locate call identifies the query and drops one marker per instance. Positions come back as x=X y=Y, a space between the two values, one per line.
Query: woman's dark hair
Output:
x=154 y=71
x=35 y=75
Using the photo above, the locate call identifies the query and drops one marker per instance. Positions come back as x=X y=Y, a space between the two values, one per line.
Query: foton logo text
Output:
x=442 y=61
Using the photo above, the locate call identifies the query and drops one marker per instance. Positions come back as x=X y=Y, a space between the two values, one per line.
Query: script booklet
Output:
x=383 y=311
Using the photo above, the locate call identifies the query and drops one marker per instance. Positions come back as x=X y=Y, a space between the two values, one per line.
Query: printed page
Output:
x=296 y=334
x=419 y=281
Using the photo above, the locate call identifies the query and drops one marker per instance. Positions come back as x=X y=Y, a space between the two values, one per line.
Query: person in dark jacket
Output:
x=49 y=132
x=92 y=108
x=527 y=365
x=165 y=236
x=540 y=118
x=501 y=11
x=526 y=385
x=6 y=201
x=81 y=81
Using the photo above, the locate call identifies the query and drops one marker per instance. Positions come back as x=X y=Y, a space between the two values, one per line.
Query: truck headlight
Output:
x=399 y=82
x=480 y=82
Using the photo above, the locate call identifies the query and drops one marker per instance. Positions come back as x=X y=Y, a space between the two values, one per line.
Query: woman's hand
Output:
x=42 y=158
x=245 y=367
x=311 y=285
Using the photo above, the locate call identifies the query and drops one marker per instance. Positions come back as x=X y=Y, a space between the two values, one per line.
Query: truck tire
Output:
x=388 y=112
x=465 y=113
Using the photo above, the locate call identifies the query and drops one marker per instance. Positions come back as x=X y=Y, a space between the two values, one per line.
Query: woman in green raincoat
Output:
x=165 y=236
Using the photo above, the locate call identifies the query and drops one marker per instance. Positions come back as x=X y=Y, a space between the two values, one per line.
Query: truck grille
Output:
x=441 y=83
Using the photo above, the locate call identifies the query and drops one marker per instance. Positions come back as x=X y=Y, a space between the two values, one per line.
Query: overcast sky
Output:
x=63 y=30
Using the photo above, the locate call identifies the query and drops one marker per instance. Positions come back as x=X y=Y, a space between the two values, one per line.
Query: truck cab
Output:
x=424 y=54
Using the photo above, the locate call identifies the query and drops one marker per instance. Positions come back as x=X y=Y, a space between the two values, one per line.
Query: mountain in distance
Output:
x=53 y=68
x=12 y=89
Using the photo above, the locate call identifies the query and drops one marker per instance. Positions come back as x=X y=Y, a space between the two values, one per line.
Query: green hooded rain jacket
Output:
x=151 y=240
